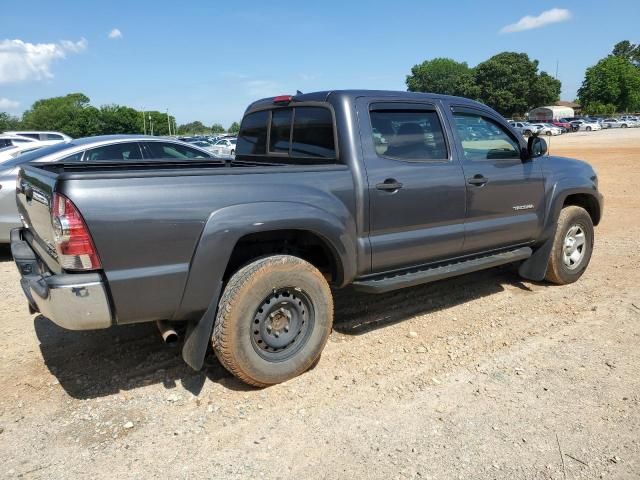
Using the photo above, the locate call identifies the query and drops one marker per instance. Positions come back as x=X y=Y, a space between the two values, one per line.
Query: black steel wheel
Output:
x=282 y=324
x=273 y=320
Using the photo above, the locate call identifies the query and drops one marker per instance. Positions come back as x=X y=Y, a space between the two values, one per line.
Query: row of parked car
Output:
x=564 y=125
x=13 y=144
x=222 y=146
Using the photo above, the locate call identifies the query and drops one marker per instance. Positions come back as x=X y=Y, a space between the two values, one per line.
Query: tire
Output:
x=548 y=133
x=624 y=125
x=527 y=132
x=271 y=302
x=588 y=129
x=233 y=152
x=561 y=269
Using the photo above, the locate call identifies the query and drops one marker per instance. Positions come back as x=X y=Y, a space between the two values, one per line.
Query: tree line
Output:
x=74 y=115
x=510 y=82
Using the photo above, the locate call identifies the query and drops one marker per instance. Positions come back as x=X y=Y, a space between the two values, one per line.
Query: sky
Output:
x=207 y=60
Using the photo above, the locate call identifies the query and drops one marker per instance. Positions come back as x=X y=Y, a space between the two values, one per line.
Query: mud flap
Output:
x=535 y=267
x=198 y=336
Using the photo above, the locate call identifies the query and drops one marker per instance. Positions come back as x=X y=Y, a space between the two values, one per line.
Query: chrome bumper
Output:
x=72 y=301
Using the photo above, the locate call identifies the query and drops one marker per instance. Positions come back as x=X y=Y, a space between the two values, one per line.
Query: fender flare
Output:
x=220 y=234
x=535 y=267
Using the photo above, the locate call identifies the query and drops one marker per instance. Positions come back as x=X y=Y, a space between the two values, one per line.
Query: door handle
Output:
x=389 y=185
x=478 y=180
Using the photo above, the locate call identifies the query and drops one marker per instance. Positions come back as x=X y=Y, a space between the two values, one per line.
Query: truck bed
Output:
x=147 y=220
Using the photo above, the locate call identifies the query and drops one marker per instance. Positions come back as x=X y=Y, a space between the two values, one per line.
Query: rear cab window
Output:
x=292 y=135
x=163 y=150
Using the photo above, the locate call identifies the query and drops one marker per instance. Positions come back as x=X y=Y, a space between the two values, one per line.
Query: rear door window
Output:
x=408 y=134
x=115 y=152
x=177 y=151
x=52 y=136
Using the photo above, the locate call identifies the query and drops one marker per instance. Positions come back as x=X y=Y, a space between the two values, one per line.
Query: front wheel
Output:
x=624 y=125
x=273 y=320
x=572 y=246
x=588 y=129
x=548 y=133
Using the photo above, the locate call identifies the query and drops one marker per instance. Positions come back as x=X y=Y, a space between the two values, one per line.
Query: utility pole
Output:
x=168 y=122
x=150 y=124
x=144 y=122
x=557 y=62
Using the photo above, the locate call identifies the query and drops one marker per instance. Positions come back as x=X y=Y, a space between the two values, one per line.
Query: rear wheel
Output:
x=572 y=246
x=273 y=320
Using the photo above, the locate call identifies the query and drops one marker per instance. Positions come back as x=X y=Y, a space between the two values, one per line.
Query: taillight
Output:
x=73 y=241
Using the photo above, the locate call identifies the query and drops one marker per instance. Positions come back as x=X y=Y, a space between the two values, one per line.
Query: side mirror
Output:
x=536 y=146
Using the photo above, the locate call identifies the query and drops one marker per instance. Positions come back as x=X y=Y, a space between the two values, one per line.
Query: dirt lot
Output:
x=484 y=376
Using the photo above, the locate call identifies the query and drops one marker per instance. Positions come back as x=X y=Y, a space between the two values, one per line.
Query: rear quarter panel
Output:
x=147 y=229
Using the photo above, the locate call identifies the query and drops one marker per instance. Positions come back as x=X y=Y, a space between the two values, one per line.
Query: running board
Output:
x=410 y=278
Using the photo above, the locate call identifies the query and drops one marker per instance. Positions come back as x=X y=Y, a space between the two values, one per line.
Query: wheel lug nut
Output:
x=277 y=334
x=286 y=329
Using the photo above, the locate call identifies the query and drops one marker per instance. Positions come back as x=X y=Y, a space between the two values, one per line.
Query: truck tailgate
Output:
x=34 y=194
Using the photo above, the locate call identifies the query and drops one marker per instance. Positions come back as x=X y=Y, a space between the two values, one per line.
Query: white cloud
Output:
x=21 y=61
x=115 y=34
x=6 y=104
x=547 y=17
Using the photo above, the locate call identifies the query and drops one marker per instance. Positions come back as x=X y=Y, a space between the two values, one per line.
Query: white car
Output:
x=202 y=144
x=13 y=151
x=586 y=126
x=525 y=128
x=617 y=123
x=547 y=129
x=225 y=147
x=43 y=136
x=9 y=139
x=633 y=120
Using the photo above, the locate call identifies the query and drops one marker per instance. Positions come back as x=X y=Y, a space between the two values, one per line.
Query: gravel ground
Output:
x=483 y=376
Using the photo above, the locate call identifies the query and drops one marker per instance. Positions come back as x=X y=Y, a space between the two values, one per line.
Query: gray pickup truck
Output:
x=378 y=190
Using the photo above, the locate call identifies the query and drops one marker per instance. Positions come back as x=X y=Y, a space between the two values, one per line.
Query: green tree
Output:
x=8 y=122
x=157 y=123
x=612 y=81
x=217 y=128
x=509 y=82
x=545 y=90
x=234 y=128
x=196 y=127
x=120 y=119
x=66 y=114
x=628 y=51
x=442 y=75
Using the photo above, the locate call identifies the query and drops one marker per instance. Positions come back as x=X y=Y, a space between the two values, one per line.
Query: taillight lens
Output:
x=73 y=241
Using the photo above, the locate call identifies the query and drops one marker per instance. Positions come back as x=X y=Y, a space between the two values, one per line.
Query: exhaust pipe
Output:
x=169 y=335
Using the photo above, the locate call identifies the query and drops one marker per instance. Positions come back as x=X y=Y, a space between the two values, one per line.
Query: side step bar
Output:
x=410 y=278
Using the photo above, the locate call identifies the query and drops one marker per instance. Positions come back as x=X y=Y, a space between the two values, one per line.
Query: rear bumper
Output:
x=72 y=301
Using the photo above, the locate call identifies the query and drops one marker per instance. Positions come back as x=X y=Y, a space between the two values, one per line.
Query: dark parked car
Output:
x=379 y=190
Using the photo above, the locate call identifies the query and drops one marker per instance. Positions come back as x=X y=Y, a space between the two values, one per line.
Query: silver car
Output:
x=109 y=148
